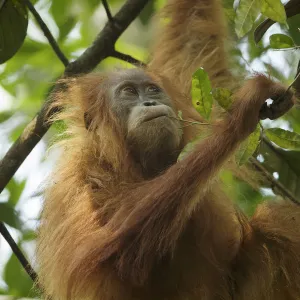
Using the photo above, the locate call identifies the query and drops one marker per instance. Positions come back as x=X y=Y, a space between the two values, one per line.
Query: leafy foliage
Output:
x=9 y=216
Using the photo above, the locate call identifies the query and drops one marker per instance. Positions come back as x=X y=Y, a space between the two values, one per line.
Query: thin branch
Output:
x=127 y=58
x=101 y=48
x=17 y=251
x=104 y=44
x=47 y=33
x=279 y=154
x=107 y=10
x=296 y=83
x=261 y=29
x=190 y=122
x=274 y=183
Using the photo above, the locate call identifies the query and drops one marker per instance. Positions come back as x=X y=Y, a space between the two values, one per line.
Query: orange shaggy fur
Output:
x=107 y=233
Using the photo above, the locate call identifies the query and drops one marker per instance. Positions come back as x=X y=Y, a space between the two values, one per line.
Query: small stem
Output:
x=47 y=33
x=127 y=58
x=261 y=127
x=107 y=10
x=284 y=192
x=287 y=49
x=191 y=122
x=296 y=78
x=16 y=250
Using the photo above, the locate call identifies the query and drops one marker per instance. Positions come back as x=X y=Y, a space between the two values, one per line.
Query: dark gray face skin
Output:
x=145 y=111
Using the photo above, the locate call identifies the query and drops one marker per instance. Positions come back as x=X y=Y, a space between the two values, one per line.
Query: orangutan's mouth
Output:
x=150 y=118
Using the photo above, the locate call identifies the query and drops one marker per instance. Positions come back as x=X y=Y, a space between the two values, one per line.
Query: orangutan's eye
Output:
x=129 y=89
x=153 y=89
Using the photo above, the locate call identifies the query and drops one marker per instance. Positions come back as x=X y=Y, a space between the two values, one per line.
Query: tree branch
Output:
x=107 y=10
x=4 y=232
x=102 y=47
x=296 y=83
x=274 y=183
x=127 y=58
x=47 y=33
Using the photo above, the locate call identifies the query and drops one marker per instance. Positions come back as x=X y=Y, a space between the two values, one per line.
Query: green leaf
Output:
x=16 y=132
x=29 y=235
x=147 y=12
x=9 y=216
x=64 y=21
x=31 y=46
x=281 y=41
x=230 y=14
x=284 y=138
x=93 y=4
x=18 y=281
x=255 y=50
x=274 y=10
x=293 y=25
x=66 y=27
x=15 y=190
x=246 y=14
x=248 y=147
x=229 y=10
x=13 y=28
x=5 y=115
x=201 y=93
x=57 y=6
x=2 y=291
x=223 y=97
